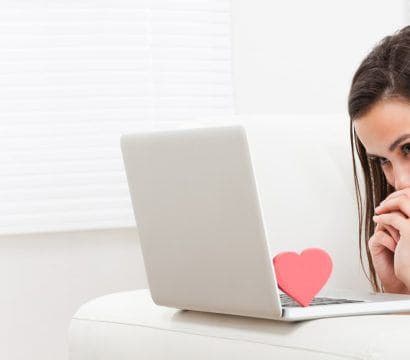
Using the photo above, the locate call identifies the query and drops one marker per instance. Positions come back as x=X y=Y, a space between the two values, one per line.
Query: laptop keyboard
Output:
x=287 y=301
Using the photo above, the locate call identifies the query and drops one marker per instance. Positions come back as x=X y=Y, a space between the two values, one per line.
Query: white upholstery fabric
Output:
x=129 y=325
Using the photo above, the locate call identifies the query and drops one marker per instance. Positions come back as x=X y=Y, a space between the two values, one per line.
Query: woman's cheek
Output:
x=389 y=176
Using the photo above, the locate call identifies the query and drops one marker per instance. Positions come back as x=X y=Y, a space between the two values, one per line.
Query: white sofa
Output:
x=304 y=172
x=129 y=326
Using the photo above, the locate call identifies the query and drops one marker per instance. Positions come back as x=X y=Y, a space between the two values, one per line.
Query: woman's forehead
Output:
x=383 y=124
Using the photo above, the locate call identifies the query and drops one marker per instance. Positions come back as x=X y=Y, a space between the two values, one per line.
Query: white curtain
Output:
x=76 y=74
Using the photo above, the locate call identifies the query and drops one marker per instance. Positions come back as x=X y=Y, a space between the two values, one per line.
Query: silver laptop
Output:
x=202 y=233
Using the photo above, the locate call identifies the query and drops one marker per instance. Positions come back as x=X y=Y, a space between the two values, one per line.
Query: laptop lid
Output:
x=199 y=221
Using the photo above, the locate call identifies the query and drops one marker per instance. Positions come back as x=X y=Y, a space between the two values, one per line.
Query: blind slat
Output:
x=74 y=76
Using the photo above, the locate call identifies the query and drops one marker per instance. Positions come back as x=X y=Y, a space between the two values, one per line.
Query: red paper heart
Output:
x=302 y=276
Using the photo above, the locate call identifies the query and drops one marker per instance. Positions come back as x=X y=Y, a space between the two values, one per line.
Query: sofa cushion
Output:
x=129 y=325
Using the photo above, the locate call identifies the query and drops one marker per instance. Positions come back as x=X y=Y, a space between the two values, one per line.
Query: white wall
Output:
x=46 y=277
x=300 y=56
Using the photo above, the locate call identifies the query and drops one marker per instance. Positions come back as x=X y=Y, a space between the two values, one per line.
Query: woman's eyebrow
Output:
x=394 y=144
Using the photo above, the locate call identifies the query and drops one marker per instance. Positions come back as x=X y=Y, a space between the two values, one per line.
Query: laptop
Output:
x=202 y=234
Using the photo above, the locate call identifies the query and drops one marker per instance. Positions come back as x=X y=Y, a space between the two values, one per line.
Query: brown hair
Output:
x=383 y=74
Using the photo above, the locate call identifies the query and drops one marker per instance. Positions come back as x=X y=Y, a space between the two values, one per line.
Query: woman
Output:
x=379 y=109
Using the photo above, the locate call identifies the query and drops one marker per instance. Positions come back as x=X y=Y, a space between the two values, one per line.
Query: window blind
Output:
x=74 y=76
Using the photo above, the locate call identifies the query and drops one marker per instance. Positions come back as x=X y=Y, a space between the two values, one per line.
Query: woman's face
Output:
x=385 y=133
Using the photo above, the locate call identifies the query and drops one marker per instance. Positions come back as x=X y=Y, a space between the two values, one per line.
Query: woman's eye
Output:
x=406 y=146
x=383 y=161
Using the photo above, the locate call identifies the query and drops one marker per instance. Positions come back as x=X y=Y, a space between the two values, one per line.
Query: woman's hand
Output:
x=382 y=246
x=394 y=212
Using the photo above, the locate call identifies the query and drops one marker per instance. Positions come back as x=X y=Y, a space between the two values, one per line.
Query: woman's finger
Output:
x=402 y=192
x=401 y=203
x=395 y=219
x=381 y=240
x=388 y=229
x=393 y=232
